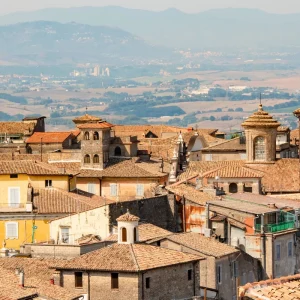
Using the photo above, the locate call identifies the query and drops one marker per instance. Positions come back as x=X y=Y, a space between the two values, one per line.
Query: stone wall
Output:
x=159 y=211
x=165 y=283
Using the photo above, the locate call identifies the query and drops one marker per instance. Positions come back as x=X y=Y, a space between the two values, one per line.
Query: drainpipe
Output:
x=207 y=215
x=143 y=293
x=100 y=187
x=263 y=246
x=184 y=220
x=89 y=286
x=194 y=279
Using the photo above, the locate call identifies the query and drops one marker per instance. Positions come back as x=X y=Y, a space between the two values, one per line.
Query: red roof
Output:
x=48 y=137
x=100 y=125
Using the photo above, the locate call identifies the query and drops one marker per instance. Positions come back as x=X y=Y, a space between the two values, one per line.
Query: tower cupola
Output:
x=128 y=228
x=261 y=133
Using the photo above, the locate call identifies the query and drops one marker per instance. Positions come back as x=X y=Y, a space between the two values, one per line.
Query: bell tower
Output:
x=95 y=144
x=261 y=133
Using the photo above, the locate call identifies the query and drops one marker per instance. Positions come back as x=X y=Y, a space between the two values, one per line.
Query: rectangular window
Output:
x=219 y=274
x=78 y=280
x=114 y=280
x=113 y=189
x=11 y=230
x=148 y=283
x=290 y=249
x=278 y=252
x=140 y=190
x=92 y=188
x=190 y=272
x=48 y=183
x=13 y=175
x=14 y=196
x=65 y=235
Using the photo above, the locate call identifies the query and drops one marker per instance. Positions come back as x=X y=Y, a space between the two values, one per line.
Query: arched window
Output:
x=87 y=136
x=118 y=151
x=259 y=148
x=124 y=234
x=87 y=159
x=96 y=159
x=135 y=234
x=96 y=136
x=233 y=188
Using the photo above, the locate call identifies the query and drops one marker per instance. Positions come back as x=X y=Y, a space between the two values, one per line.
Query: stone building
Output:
x=129 y=270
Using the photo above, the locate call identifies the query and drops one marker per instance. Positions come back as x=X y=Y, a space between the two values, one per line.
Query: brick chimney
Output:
x=21 y=278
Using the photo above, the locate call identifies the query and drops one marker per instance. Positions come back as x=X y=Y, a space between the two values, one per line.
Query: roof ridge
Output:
x=134 y=257
x=221 y=143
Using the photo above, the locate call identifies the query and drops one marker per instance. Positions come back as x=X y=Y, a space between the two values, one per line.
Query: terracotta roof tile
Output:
x=234 y=171
x=128 y=258
x=24 y=128
x=48 y=137
x=101 y=125
x=57 y=201
x=190 y=193
x=37 y=280
x=29 y=167
x=128 y=217
x=86 y=118
x=227 y=145
x=262 y=119
x=204 y=245
x=280 y=288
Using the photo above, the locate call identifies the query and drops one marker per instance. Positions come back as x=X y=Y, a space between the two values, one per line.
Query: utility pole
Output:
x=41 y=149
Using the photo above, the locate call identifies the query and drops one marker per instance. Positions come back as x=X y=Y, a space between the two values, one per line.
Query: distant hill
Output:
x=221 y=28
x=52 y=42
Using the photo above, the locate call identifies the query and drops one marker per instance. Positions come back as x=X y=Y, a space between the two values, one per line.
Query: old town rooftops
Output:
x=58 y=201
x=261 y=118
x=22 y=128
x=30 y=167
x=120 y=168
x=127 y=258
x=280 y=288
x=36 y=283
x=205 y=245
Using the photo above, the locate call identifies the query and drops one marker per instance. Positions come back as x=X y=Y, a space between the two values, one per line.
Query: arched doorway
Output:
x=118 y=151
x=233 y=188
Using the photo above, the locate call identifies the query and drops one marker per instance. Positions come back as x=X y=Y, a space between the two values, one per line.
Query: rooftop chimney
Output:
x=272 y=205
x=21 y=278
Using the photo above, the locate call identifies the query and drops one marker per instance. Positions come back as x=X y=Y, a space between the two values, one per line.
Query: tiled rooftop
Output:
x=227 y=145
x=280 y=288
x=86 y=118
x=58 y=201
x=37 y=280
x=233 y=171
x=48 y=137
x=147 y=232
x=127 y=258
x=204 y=245
x=23 y=128
x=29 y=167
x=100 y=125
x=246 y=207
x=128 y=217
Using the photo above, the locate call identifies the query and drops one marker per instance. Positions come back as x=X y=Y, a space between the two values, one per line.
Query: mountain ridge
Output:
x=229 y=28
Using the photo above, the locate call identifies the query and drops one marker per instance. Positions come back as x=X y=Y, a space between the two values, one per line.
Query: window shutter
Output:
x=140 y=190
x=113 y=190
x=11 y=230
x=92 y=188
x=14 y=197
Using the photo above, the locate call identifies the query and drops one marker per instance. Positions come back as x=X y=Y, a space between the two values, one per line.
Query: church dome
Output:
x=261 y=118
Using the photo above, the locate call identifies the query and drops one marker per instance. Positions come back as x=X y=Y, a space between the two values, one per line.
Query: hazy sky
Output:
x=277 y=6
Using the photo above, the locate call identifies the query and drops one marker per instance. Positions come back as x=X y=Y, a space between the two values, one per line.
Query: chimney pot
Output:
x=21 y=278
x=52 y=281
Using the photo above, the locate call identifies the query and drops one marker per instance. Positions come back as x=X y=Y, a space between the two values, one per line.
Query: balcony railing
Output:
x=272 y=228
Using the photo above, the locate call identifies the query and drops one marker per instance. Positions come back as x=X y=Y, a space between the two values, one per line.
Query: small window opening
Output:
x=148 y=283
x=114 y=280
x=190 y=274
x=78 y=280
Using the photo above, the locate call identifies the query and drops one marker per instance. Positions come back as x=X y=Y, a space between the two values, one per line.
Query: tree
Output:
x=212 y=118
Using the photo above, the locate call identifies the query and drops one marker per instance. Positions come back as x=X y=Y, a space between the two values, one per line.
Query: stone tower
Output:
x=261 y=132
x=128 y=229
x=95 y=144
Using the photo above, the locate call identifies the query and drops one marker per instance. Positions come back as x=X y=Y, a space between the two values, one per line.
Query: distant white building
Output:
x=237 y=88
